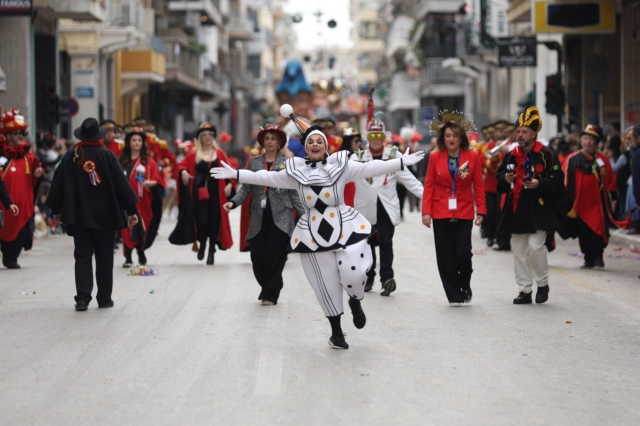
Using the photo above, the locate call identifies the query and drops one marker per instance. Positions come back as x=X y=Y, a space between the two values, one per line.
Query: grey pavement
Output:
x=201 y=350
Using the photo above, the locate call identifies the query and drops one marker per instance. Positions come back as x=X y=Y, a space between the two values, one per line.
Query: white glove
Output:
x=224 y=172
x=411 y=159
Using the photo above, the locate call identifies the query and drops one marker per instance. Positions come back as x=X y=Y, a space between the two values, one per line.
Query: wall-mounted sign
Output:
x=84 y=92
x=574 y=17
x=16 y=7
x=519 y=52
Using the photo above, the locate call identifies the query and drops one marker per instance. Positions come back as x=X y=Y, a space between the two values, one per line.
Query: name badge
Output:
x=263 y=203
x=600 y=162
x=453 y=204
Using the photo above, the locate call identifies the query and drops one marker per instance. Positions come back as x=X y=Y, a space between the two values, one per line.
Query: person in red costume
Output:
x=201 y=215
x=148 y=184
x=351 y=142
x=592 y=187
x=22 y=175
x=110 y=142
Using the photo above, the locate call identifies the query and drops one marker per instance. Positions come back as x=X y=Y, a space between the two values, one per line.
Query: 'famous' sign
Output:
x=16 y=7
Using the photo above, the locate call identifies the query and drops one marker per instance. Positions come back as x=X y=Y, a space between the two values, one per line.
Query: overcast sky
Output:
x=308 y=29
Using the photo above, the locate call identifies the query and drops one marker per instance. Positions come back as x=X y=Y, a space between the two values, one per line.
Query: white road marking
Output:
x=269 y=376
x=278 y=316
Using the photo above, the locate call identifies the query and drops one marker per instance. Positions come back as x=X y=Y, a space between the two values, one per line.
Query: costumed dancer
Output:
x=93 y=198
x=377 y=200
x=454 y=182
x=536 y=205
x=201 y=215
x=331 y=237
x=22 y=177
x=592 y=190
x=110 y=141
x=491 y=162
x=148 y=184
x=5 y=198
x=272 y=222
x=351 y=142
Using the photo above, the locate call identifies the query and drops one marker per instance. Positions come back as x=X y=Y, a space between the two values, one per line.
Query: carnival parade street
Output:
x=192 y=345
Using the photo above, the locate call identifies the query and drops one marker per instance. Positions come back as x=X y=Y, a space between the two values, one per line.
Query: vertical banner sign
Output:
x=16 y=7
x=497 y=25
x=517 y=52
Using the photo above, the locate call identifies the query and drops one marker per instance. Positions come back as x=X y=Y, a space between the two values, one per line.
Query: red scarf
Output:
x=13 y=152
x=521 y=172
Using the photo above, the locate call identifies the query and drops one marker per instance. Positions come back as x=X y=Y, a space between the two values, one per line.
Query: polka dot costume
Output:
x=332 y=272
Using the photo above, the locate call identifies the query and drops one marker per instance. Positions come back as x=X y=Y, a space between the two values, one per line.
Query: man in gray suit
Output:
x=272 y=220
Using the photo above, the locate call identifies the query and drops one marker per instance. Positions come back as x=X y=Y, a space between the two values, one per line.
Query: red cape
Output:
x=225 y=241
x=22 y=184
x=144 y=205
x=590 y=189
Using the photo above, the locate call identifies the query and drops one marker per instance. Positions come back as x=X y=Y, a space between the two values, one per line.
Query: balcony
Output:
x=240 y=29
x=242 y=80
x=427 y=7
x=209 y=10
x=436 y=81
x=79 y=10
x=124 y=13
x=183 y=70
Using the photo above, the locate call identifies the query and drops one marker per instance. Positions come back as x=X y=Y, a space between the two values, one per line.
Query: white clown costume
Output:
x=331 y=237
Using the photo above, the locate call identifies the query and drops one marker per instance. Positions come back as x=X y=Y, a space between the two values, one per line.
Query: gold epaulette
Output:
x=163 y=144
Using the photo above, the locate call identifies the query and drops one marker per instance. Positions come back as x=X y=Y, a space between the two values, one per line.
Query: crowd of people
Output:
x=332 y=199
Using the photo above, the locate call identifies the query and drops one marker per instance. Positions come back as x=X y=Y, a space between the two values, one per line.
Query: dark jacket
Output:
x=82 y=201
x=542 y=209
x=635 y=170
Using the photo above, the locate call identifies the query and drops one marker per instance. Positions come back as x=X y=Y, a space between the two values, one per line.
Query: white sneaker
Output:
x=455 y=304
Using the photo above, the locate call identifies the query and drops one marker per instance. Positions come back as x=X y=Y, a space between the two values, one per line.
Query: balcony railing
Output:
x=240 y=28
x=123 y=13
x=180 y=55
x=434 y=73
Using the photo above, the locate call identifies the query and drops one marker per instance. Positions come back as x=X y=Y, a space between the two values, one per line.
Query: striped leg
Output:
x=322 y=273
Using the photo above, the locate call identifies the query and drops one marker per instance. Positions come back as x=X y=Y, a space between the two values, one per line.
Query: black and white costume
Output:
x=331 y=237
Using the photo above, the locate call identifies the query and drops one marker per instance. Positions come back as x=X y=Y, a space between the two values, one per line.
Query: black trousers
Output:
x=453 y=255
x=402 y=195
x=384 y=239
x=208 y=220
x=492 y=218
x=11 y=249
x=87 y=243
x=268 y=251
x=591 y=244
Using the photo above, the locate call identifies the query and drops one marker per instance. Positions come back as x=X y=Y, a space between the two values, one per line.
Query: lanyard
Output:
x=453 y=173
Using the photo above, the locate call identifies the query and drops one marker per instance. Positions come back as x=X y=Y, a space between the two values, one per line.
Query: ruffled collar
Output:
x=13 y=152
x=321 y=173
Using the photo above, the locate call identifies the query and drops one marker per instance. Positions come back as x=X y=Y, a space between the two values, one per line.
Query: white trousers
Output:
x=530 y=260
x=331 y=272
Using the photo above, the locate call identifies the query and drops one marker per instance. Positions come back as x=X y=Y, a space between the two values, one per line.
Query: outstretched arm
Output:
x=279 y=179
x=357 y=170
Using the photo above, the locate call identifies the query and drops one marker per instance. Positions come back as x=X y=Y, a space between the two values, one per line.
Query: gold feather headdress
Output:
x=456 y=117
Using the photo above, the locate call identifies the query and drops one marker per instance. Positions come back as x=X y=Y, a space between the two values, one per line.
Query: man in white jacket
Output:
x=377 y=200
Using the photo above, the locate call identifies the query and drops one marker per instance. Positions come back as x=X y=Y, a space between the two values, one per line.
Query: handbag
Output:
x=203 y=193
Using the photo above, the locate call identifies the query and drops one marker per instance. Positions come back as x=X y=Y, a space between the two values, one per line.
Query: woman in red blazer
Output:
x=453 y=183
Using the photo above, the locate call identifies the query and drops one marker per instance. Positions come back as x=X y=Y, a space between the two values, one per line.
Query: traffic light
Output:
x=554 y=95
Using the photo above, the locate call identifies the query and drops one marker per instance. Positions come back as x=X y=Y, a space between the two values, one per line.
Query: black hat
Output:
x=207 y=127
x=89 y=131
x=135 y=131
x=594 y=131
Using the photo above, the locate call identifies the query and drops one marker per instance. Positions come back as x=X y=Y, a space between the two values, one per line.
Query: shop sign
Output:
x=84 y=92
x=16 y=7
x=574 y=17
x=517 y=52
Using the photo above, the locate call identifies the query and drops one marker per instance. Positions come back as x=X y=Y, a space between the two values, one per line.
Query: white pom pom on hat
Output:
x=286 y=110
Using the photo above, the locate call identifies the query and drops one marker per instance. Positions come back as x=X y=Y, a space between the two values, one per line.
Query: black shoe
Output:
x=12 y=265
x=599 y=263
x=483 y=233
x=109 y=304
x=588 y=265
x=468 y=295
x=338 y=342
x=502 y=248
x=203 y=247
x=142 y=258
x=210 y=257
x=359 y=319
x=81 y=305
x=388 y=287
x=369 y=285
x=128 y=263
x=523 y=299
x=490 y=242
x=542 y=295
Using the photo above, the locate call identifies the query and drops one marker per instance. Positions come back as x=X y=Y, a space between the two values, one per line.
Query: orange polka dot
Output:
x=362 y=226
x=341 y=235
x=332 y=215
x=313 y=241
x=295 y=241
x=326 y=194
x=313 y=218
x=308 y=197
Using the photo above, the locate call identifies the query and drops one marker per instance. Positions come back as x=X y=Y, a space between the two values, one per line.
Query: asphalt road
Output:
x=201 y=350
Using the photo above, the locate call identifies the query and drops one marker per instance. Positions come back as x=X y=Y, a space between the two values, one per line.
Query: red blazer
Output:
x=469 y=185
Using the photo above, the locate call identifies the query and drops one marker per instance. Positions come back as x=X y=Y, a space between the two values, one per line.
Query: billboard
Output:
x=16 y=7
x=574 y=16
